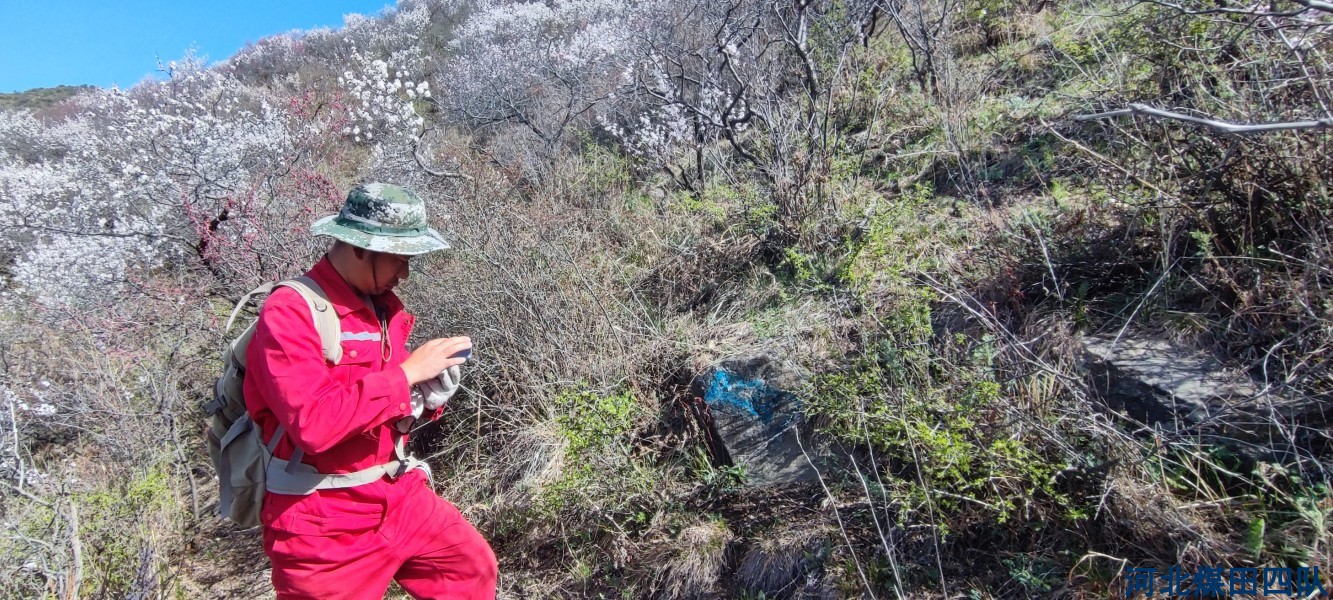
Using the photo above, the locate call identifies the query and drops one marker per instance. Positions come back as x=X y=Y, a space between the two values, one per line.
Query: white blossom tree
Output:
x=525 y=75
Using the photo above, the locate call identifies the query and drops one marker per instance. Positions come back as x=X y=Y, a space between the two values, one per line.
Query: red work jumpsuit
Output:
x=348 y=543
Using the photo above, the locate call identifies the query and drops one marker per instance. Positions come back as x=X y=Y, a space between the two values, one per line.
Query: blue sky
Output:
x=46 y=43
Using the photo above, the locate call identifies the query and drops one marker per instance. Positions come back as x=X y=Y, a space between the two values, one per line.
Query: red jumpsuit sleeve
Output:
x=287 y=361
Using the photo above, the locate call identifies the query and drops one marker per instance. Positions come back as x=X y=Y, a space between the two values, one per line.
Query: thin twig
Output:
x=930 y=503
x=76 y=551
x=1059 y=288
x=888 y=548
x=1143 y=301
x=1253 y=11
x=18 y=457
x=1213 y=124
x=1304 y=62
x=421 y=162
x=1093 y=153
x=833 y=501
x=25 y=494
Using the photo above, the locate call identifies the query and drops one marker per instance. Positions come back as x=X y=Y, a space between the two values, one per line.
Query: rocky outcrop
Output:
x=756 y=417
x=1176 y=389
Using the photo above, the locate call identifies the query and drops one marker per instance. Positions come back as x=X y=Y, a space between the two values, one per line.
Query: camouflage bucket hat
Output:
x=382 y=218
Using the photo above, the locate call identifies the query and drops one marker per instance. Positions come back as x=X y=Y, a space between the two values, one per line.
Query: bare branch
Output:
x=421 y=162
x=27 y=224
x=1253 y=11
x=1213 y=124
x=1304 y=61
x=25 y=493
x=76 y=551
x=1316 y=5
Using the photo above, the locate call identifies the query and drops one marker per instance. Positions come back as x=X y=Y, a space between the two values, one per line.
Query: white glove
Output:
x=430 y=395
x=436 y=392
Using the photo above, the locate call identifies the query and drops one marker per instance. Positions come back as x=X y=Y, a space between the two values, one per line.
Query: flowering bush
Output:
x=177 y=172
x=531 y=72
x=384 y=98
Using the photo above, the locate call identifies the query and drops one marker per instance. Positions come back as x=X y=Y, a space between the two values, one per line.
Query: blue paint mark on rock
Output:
x=751 y=396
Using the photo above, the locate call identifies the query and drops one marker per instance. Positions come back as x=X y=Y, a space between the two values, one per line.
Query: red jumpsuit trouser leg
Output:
x=423 y=543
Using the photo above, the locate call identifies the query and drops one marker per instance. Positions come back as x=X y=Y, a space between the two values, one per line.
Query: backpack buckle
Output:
x=213 y=406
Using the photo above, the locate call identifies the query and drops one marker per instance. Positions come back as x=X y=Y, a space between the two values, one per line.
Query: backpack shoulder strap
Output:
x=326 y=317
x=263 y=289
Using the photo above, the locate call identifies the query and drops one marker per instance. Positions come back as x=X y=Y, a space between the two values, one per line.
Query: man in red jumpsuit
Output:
x=348 y=540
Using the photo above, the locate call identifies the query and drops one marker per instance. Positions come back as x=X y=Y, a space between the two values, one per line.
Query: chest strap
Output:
x=299 y=479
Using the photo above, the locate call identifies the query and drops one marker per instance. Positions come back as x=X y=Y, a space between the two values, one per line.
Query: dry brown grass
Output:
x=697 y=561
x=778 y=564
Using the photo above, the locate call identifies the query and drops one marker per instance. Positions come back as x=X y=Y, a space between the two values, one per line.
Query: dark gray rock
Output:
x=1159 y=382
x=1182 y=390
x=756 y=417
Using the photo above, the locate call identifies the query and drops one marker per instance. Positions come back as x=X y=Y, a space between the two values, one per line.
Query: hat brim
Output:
x=403 y=245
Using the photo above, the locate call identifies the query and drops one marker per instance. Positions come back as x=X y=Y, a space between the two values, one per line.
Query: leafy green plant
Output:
x=717 y=479
x=591 y=422
x=922 y=401
x=1032 y=572
x=600 y=477
x=122 y=560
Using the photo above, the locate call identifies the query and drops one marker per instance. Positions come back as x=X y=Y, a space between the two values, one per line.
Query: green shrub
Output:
x=600 y=473
x=930 y=407
x=124 y=528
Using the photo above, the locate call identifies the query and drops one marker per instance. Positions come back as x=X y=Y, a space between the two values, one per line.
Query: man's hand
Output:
x=433 y=357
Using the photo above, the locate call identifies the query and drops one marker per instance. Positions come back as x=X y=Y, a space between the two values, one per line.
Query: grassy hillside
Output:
x=922 y=210
x=38 y=98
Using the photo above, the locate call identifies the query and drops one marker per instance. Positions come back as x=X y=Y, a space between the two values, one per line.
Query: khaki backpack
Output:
x=239 y=454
